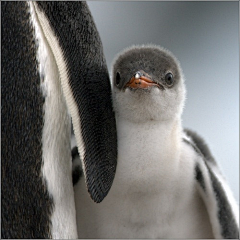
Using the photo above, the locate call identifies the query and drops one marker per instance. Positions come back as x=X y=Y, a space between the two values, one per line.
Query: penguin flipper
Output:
x=222 y=208
x=74 y=40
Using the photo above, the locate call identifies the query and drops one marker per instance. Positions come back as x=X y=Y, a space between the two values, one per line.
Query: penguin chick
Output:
x=163 y=187
x=156 y=90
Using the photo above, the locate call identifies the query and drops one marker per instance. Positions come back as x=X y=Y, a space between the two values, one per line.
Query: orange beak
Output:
x=141 y=82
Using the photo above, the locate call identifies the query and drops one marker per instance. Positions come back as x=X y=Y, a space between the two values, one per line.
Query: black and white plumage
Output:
x=167 y=184
x=22 y=189
x=52 y=67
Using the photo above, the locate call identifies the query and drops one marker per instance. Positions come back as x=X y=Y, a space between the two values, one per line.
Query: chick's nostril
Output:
x=137 y=81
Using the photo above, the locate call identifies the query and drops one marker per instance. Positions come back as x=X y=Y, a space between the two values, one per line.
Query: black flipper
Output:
x=76 y=45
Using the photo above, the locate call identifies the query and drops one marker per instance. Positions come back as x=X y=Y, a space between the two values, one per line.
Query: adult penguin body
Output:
x=52 y=67
x=167 y=184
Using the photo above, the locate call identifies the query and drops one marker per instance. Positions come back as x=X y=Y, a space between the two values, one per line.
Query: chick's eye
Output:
x=169 y=79
x=118 y=78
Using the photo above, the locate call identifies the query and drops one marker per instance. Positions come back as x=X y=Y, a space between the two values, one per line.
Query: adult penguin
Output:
x=52 y=66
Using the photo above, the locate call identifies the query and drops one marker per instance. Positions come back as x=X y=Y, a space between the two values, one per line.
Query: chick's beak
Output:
x=140 y=81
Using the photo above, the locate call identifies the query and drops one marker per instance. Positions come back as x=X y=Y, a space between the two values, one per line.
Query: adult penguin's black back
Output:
x=52 y=65
x=23 y=191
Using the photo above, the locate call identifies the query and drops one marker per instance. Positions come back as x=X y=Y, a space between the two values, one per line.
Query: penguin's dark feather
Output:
x=77 y=170
x=26 y=204
x=89 y=81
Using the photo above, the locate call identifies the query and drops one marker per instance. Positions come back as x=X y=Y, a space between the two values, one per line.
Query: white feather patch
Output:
x=57 y=164
x=63 y=72
x=154 y=192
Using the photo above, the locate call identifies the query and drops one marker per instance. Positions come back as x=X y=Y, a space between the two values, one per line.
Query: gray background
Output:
x=204 y=37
